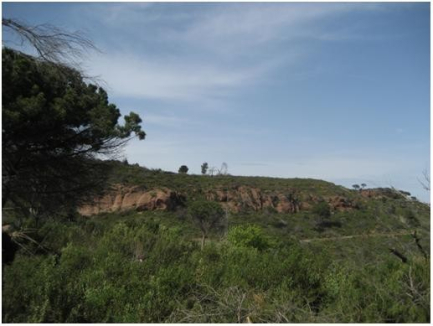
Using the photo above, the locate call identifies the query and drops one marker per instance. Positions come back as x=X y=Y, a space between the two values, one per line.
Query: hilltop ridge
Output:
x=289 y=207
x=135 y=187
x=234 y=198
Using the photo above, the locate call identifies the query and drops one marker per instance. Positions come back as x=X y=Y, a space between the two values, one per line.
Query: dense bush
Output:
x=249 y=236
x=322 y=209
x=143 y=271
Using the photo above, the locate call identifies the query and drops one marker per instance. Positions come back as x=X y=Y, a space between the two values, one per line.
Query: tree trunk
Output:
x=203 y=238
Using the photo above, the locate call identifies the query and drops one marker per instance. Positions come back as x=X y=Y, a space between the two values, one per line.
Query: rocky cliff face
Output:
x=133 y=198
x=240 y=198
x=235 y=199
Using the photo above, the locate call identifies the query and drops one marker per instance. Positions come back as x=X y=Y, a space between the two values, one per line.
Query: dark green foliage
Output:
x=183 y=169
x=9 y=248
x=140 y=270
x=125 y=269
x=393 y=293
x=406 y=193
x=322 y=209
x=411 y=218
x=204 y=168
x=356 y=187
x=54 y=124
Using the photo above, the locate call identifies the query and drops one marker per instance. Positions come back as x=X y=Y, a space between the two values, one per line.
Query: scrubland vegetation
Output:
x=266 y=267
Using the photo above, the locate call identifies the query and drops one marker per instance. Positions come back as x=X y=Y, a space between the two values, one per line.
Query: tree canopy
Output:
x=183 y=169
x=204 y=168
x=55 y=126
x=207 y=215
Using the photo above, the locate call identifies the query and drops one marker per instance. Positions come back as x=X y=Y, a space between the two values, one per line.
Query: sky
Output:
x=332 y=91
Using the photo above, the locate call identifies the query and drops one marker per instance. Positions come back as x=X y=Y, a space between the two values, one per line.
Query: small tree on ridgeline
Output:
x=224 y=169
x=212 y=171
x=204 y=168
x=207 y=215
x=183 y=169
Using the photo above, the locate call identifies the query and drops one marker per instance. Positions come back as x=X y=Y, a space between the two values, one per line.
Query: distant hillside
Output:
x=237 y=193
x=286 y=206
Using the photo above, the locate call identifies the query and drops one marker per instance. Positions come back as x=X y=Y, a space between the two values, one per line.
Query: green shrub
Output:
x=249 y=236
x=322 y=209
x=392 y=292
x=139 y=268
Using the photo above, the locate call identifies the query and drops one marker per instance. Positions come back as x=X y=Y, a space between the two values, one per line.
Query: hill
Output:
x=285 y=250
x=287 y=207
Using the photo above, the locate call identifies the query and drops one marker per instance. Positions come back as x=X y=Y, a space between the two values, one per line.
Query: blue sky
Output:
x=334 y=91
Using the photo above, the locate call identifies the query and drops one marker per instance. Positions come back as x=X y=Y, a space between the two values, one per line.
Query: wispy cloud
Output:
x=233 y=29
x=129 y=75
x=220 y=49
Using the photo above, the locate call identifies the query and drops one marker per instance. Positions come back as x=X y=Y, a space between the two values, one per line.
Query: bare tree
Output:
x=224 y=169
x=207 y=215
x=212 y=170
x=425 y=183
x=51 y=43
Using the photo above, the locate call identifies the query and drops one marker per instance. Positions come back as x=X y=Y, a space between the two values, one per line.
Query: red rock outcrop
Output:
x=124 y=199
x=235 y=199
x=243 y=197
x=341 y=204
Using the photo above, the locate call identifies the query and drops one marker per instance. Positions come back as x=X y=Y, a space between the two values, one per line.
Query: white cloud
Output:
x=232 y=29
x=207 y=45
x=218 y=49
x=131 y=75
x=116 y=14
